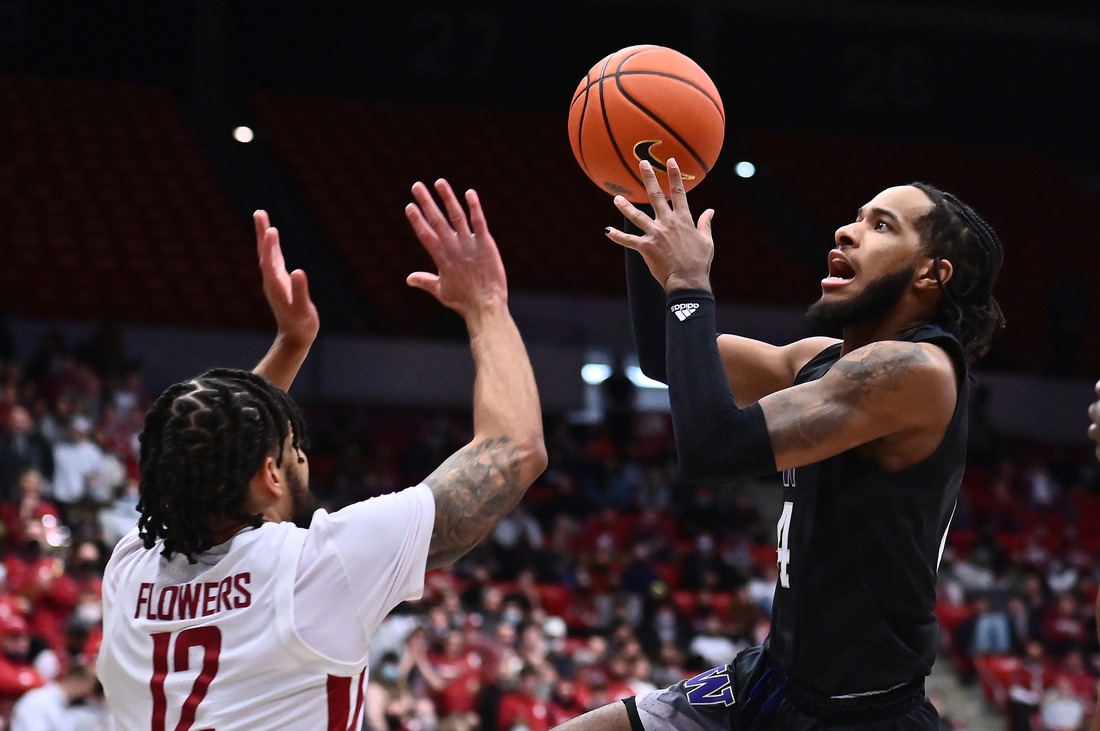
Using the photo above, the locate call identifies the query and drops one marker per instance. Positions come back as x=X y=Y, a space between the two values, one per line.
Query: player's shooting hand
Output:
x=287 y=293
x=1094 y=427
x=471 y=275
x=677 y=250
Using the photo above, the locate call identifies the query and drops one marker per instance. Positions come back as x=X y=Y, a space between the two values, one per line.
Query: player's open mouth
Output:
x=841 y=271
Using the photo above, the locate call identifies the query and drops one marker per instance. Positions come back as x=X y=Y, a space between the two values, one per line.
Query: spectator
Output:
x=388 y=700
x=1062 y=626
x=516 y=540
x=17 y=674
x=48 y=708
x=1084 y=685
x=78 y=466
x=21 y=449
x=29 y=507
x=1025 y=692
x=1062 y=709
x=992 y=632
x=711 y=646
x=523 y=706
x=564 y=703
x=761 y=588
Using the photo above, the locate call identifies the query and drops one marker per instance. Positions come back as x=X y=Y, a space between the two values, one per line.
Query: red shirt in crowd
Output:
x=518 y=707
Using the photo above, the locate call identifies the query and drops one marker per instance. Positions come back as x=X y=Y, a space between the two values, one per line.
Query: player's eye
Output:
x=882 y=226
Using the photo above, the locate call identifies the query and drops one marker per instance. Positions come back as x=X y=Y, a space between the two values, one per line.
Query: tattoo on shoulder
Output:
x=811 y=419
x=474 y=488
x=879 y=366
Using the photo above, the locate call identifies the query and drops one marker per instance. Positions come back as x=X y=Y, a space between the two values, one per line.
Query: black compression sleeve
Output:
x=715 y=440
x=647 y=307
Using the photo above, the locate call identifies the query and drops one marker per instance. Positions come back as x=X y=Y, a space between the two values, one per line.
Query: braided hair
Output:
x=952 y=230
x=203 y=442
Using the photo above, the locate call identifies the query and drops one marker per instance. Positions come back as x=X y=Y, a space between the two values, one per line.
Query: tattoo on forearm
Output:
x=810 y=419
x=473 y=489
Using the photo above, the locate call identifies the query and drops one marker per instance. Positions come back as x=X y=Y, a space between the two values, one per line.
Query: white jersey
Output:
x=269 y=630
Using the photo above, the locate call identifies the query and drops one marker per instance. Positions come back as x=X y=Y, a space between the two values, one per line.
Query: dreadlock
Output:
x=952 y=230
x=203 y=442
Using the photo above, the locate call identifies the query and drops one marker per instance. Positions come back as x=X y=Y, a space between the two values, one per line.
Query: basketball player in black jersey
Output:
x=868 y=431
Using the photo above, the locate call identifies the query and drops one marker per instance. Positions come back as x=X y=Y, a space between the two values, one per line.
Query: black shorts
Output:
x=749 y=694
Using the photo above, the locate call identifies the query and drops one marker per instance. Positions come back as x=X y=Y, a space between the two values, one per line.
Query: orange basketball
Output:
x=645 y=103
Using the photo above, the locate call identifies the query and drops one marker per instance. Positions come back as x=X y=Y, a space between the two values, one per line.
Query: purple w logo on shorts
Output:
x=712 y=688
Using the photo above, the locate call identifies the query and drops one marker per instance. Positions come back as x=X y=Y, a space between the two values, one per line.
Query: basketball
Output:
x=645 y=103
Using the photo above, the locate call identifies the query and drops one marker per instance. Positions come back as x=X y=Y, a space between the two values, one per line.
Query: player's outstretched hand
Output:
x=287 y=293
x=471 y=274
x=677 y=250
x=1094 y=429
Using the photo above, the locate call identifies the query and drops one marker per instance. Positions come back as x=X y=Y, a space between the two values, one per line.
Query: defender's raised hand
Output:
x=471 y=274
x=287 y=293
x=677 y=250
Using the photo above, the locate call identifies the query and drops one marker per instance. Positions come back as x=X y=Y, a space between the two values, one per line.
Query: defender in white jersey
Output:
x=235 y=605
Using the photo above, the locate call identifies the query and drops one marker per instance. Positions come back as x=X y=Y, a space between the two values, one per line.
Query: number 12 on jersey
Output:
x=209 y=638
x=783 y=551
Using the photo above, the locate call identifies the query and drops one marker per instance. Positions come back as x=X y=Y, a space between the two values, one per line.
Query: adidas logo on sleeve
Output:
x=685 y=310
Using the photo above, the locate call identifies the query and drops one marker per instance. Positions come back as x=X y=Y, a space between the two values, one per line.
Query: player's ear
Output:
x=926 y=276
x=269 y=479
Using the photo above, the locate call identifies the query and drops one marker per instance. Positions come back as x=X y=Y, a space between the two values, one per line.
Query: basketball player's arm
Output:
x=480 y=483
x=873 y=392
x=288 y=296
x=880 y=390
x=754 y=368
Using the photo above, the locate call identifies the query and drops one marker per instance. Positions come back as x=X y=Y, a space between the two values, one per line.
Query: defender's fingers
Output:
x=262 y=223
x=636 y=217
x=425 y=281
x=477 y=213
x=623 y=239
x=271 y=259
x=423 y=230
x=274 y=249
x=455 y=214
x=430 y=210
x=676 y=187
x=299 y=287
x=652 y=187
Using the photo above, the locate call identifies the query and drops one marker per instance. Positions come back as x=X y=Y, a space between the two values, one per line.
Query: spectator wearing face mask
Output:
x=389 y=702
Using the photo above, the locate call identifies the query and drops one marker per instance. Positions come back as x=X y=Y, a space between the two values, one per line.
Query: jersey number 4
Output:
x=210 y=640
x=783 y=551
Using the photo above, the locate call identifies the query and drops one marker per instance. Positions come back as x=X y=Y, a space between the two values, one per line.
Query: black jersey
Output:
x=859 y=547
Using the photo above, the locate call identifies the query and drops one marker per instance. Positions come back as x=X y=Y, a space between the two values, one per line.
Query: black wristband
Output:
x=715 y=441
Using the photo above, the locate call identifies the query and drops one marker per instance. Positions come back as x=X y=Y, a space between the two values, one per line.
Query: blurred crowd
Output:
x=612 y=577
x=1018 y=579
